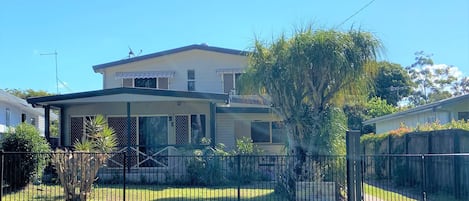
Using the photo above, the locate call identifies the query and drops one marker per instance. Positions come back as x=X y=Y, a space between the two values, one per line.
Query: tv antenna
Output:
x=56 y=68
x=131 y=53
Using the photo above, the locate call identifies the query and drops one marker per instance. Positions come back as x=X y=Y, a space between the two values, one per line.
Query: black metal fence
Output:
x=432 y=177
x=437 y=177
x=167 y=177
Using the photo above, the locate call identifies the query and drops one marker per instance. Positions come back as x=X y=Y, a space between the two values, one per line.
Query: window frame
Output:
x=234 y=77
x=157 y=80
x=463 y=115
x=191 y=77
x=271 y=129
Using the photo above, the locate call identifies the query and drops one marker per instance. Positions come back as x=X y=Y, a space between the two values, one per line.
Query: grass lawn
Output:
x=384 y=194
x=147 y=192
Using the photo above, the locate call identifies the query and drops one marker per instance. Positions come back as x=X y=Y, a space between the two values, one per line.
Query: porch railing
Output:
x=148 y=156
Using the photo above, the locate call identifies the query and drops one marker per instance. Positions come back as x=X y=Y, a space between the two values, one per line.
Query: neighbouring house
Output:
x=14 y=111
x=160 y=102
x=443 y=111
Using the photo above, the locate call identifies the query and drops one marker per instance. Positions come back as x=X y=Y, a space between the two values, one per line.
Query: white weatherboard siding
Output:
x=205 y=64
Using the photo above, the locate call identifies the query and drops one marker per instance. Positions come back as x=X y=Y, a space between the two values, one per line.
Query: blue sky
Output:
x=87 y=33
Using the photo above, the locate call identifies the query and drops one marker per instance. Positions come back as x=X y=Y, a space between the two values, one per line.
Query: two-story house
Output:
x=162 y=101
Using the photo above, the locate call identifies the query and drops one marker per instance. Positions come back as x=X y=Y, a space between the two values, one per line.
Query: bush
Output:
x=31 y=162
x=248 y=161
x=206 y=167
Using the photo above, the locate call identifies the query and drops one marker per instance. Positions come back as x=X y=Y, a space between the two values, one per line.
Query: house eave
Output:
x=126 y=95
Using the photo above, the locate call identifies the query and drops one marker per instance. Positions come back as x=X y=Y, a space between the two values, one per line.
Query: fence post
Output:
x=238 y=158
x=354 y=166
x=389 y=157
x=424 y=193
x=123 y=175
x=457 y=166
x=2 y=157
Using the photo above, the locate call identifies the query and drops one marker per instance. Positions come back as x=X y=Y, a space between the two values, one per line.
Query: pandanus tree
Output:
x=77 y=170
x=308 y=77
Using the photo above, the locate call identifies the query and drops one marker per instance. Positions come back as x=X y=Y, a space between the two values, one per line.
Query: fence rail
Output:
x=417 y=176
x=195 y=177
x=405 y=177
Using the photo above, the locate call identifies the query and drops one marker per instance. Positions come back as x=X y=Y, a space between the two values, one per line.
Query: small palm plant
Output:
x=77 y=169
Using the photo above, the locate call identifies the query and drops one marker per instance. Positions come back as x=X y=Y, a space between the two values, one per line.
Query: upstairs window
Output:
x=229 y=82
x=190 y=80
x=154 y=83
x=146 y=79
x=145 y=82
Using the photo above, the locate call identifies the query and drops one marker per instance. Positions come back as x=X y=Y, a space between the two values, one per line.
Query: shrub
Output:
x=248 y=161
x=206 y=167
x=31 y=162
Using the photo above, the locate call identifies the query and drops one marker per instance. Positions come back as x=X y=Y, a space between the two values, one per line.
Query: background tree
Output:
x=392 y=82
x=28 y=93
x=358 y=113
x=431 y=82
x=307 y=78
x=461 y=87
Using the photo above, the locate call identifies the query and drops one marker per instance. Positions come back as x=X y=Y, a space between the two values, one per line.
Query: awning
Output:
x=145 y=74
x=230 y=70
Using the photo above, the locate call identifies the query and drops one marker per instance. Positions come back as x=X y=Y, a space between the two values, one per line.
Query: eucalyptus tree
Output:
x=431 y=82
x=308 y=77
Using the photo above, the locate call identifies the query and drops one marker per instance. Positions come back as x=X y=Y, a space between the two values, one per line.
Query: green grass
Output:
x=136 y=192
x=384 y=194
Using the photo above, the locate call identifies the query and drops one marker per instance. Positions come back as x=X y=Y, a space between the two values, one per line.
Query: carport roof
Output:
x=125 y=95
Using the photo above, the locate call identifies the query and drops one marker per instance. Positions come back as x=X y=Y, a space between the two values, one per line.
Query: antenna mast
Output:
x=56 y=68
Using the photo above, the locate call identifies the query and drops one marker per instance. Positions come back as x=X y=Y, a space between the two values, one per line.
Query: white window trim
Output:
x=191 y=80
x=157 y=83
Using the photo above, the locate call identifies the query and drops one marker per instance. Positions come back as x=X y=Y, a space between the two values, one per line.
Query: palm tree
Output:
x=307 y=77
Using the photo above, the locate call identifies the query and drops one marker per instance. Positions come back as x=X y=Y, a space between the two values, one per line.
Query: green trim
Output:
x=213 y=107
x=63 y=120
x=136 y=91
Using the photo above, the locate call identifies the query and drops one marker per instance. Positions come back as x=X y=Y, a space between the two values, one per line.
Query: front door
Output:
x=182 y=129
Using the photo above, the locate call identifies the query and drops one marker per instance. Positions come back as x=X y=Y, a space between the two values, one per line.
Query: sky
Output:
x=88 y=32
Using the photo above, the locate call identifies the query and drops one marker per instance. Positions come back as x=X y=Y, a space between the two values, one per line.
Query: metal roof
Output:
x=18 y=102
x=124 y=94
x=419 y=109
x=171 y=51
